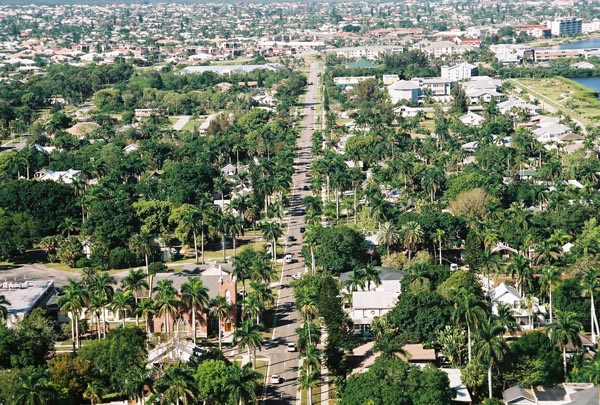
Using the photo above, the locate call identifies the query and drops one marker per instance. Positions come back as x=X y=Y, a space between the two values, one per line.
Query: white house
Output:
x=507 y=106
x=66 y=177
x=459 y=72
x=132 y=147
x=472 y=119
x=404 y=90
x=549 y=129
x=509 y=296
x=567 y=393
x=373 y=300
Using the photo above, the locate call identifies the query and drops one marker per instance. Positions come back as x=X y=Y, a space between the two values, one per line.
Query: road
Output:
x=282 y=362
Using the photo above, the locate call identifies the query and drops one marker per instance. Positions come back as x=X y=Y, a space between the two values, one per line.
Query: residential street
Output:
x=282 y=362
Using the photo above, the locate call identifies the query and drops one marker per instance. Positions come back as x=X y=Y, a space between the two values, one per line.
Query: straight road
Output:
x=287 y=319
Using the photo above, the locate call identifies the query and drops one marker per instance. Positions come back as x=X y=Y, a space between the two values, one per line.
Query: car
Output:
x=305 y=188
x=296 y=276
x=276 y=379
x=312 y=108
x=289 y=258
x=302 y=229
x=292 y=238
x=291 y=347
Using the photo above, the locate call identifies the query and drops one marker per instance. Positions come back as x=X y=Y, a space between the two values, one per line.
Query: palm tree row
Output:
x=96 y=294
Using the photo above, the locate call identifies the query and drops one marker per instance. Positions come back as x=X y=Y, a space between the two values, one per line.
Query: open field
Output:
x=574 y=99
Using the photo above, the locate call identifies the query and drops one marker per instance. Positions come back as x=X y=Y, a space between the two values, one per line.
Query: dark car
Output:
x=305 y=188
x=292 y=238
x=302 y=229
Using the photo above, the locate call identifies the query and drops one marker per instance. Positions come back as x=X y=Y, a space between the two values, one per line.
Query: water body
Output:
x=585 y=44
x=591 y=82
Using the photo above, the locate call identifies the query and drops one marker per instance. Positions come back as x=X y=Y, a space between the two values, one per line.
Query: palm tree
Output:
x=145 y=309
x=489 y=348
x=548 y=280
x=468 y=311
x=355 y=281
x=72 y=302
x=519 y=268
x=135 y=384
x=263 y=292
x=102 y=285
x=242 y=383
x=412 y=235
x=192 y=221
x=308 y=380
x=222 y=186
x=311 y=239
x=271 y=231
x=68 y=225
x=4 y=307
x=253 y=307
x=564 y=331
x=194 y=294
x=33 y=388
x=439 y=237
x=96 y=304
x=94 y=392
x=135 y=282
x=166 y=301
x=121 y=303
x=389 y=344
x=505 y=318
x=175 y=386
x=388 y=235
x=371 y=275
x=220 y=308
x=248 y=336
x=590 y=284
x=236 y=228
x=142 y=243
x=221 y=222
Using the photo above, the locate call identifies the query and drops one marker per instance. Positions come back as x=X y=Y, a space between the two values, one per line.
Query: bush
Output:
x=83 y=262
x=157 y=267
x=121 y=258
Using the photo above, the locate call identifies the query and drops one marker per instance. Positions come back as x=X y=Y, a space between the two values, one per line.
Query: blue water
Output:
x=585 y=44
x=591 y=82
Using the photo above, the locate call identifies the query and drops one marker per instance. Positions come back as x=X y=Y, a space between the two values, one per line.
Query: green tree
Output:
x=166 y=301
x=242 y=384
x=221 y=309
x=248 y=337
x=548 y=281
x=72 y=302
x=489 y=348
x=121 y=303
x=271 y=231
x=4 y=307
x=176 y=385
x=565 y=331
x=194 y=294
x=143 y=243
x=412 y=235
x=469 y=311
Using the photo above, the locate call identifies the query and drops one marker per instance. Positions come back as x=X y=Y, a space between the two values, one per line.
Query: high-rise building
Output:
x=566 y=26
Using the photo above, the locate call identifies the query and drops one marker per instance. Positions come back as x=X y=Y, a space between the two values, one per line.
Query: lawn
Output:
x=577 y=100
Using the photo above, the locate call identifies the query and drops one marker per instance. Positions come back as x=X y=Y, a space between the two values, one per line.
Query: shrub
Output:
x=157 y=267
x=121 y=258
x=83 y=262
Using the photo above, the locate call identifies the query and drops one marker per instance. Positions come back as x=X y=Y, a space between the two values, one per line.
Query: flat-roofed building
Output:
x=24 y=297
x=566 y=26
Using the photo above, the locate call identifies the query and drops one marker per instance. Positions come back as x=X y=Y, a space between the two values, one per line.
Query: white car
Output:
x=291 y=347
x=296 y=276
x=276 y=379
x=289 y=258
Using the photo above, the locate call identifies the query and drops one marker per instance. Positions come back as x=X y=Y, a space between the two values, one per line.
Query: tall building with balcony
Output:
x=566 y=26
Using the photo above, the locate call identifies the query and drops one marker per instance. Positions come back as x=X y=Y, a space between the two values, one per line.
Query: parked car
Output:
x=289 y=258
x=292 y=238
x=291 y=347
x=302 y=229
x=276 y=379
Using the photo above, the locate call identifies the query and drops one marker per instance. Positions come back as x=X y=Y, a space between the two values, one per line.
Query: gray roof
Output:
x=404 y=85
x=515 y=393
x=211 y=275
x=386 y=274
x=556 y=393
x=587 y=396
x=227 y=69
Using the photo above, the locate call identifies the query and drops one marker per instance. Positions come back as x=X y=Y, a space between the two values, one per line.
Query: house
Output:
x=67 y=177
x=459 y=72
x=583 y=65
x=229 y=69
x=24 y=297
x=472 y=119
x=567 y=393
x=407 y=112
x=437 y=85
x=373 y=300
x=132 y=147
x=415 y=353
x=44 y=149
x=549 y=129
x=509 y=106
x=509 y=296
x=390 y=79
x=219 y=280
x=404 y=90
x=228 y=170
x=461 y=393
x=350 y=82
